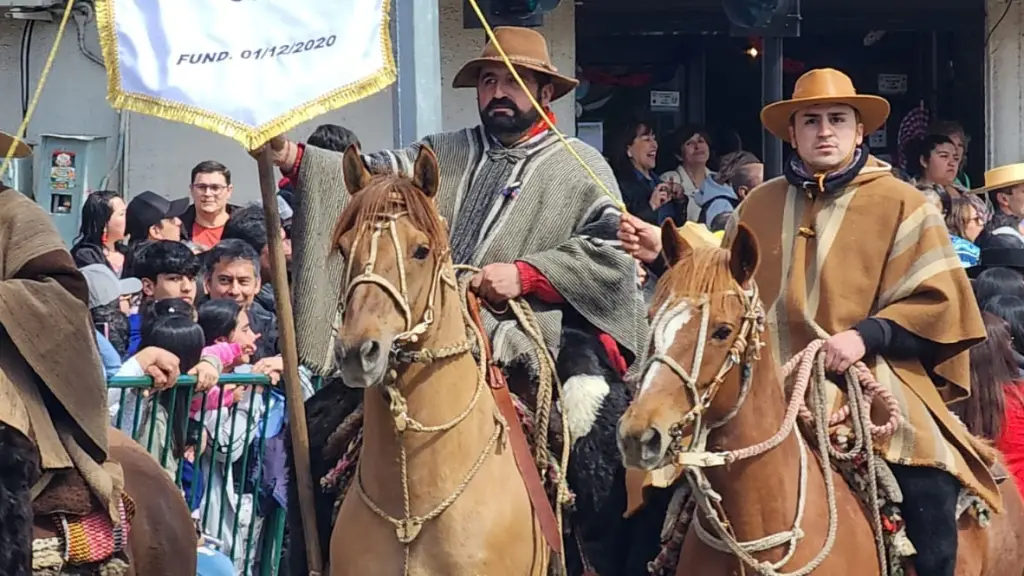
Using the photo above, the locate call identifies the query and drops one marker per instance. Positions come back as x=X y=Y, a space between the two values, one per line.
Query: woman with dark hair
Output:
x=956 y=133
x=633 y=159
x=995 y=408
x=691 y=147
x=181 y=336
x=933 y=159
x=100 y=237
x=1011 y=310
x=998 y=281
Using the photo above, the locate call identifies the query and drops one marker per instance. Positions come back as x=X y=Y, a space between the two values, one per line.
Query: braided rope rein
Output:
x=862 y=389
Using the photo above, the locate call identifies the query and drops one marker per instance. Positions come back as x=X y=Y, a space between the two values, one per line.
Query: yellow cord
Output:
x=539 y=108
x=39 y=91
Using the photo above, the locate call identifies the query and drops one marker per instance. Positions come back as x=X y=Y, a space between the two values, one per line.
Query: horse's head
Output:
x=708 y=320
x=395 y=247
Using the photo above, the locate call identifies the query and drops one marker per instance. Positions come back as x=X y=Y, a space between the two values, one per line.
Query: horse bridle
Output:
x=745 y=350
x=408 y=527
x=399 y=294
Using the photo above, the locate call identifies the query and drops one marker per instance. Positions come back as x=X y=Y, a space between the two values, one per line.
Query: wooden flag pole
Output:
x=289 y=352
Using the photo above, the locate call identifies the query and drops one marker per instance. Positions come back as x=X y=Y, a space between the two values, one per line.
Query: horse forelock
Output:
x=702 y=271
x=388 y=195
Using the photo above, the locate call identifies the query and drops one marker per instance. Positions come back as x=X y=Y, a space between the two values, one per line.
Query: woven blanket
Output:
x=94 y=538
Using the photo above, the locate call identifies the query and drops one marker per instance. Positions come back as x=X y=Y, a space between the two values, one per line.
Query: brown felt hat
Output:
x=20 y=151
x=824 y=86
x=525 y=48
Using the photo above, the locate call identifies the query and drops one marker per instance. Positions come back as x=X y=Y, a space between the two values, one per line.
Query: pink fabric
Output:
x=228 y=354
x=214 y=398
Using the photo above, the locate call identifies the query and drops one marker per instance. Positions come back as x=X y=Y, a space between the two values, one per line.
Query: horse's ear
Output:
x=744 y=255
x=426 y=174
x=354 y=170
x=674 y=246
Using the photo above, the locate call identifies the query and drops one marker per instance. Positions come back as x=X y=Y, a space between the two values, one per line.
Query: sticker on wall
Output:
x=63 y=175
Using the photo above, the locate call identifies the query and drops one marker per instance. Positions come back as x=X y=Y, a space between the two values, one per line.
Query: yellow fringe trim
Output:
x=248 y=136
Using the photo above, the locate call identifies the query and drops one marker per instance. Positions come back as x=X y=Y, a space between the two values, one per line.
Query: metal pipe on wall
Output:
x=771 y=91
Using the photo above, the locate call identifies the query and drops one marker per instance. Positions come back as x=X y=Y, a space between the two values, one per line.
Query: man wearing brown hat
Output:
x=851 y=254
x=519 y=206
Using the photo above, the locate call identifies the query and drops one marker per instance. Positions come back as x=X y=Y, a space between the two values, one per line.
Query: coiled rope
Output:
x=861 y=389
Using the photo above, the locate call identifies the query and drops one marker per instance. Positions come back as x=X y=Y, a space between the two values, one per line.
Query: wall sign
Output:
x=891 y=84
x=665 y=99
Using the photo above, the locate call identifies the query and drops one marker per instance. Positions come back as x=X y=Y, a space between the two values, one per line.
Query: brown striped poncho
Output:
x=875 y=248
x=557 y=220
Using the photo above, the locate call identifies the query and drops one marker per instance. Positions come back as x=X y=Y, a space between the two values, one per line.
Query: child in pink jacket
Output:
x=230 y=340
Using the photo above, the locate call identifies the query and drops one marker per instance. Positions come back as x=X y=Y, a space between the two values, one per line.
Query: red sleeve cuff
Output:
x=293 y=175
x=533 y=283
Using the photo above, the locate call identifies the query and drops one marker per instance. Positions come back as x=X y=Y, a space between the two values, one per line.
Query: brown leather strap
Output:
x=520 y=448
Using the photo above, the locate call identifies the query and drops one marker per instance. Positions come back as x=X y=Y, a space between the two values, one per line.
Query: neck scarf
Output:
x=798 y=175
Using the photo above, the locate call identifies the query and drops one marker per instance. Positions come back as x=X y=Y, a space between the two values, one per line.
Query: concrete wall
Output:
x=160 y=154
x=1004 y=84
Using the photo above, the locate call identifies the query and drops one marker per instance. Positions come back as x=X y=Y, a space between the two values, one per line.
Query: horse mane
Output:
x=703 y=270
x=389 y=194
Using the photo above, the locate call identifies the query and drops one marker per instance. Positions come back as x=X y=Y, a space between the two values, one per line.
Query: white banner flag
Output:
x=247 y=69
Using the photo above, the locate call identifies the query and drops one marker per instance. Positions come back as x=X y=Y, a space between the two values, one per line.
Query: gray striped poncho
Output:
x=532 y=202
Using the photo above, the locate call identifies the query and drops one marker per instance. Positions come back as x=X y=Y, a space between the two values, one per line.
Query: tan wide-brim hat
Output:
x=525 y=48
x=21 y=150
x=1002 y=177
x=824 y=86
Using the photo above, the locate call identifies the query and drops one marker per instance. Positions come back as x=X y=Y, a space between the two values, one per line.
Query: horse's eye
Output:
x=421 y=253
x=721 y=333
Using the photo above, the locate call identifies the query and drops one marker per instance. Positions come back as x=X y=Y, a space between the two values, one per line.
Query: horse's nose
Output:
x=642 y=449
x=363 y=364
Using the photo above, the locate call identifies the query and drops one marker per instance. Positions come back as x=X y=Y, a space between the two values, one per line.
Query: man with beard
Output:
x=519 y=206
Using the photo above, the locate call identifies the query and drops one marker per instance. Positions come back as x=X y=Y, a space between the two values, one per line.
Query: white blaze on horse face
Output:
x=668 y=322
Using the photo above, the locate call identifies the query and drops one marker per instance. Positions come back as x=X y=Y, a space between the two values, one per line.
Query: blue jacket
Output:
x=134 y=334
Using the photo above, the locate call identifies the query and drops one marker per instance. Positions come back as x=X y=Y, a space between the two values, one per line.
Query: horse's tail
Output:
x=323 y=417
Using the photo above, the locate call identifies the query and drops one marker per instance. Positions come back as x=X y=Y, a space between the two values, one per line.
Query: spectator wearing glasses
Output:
x=203 y=222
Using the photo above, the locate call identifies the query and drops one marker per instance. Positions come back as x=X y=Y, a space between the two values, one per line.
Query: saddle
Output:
x=73 y=528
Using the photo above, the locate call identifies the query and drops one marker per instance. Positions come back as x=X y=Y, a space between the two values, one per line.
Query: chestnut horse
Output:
x=436 y=490
x=163 y=539
x=711 y=379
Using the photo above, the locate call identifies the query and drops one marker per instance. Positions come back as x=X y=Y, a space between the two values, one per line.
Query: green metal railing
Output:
x=222 y=448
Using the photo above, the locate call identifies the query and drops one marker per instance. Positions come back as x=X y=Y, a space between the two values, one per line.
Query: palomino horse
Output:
x=163 y=539
x=773 y=495
x=436 y=490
